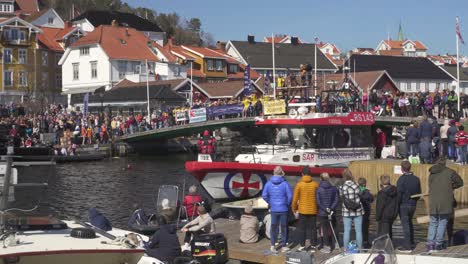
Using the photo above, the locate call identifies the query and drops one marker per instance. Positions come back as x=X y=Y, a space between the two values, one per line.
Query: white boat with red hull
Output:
x=325 y=142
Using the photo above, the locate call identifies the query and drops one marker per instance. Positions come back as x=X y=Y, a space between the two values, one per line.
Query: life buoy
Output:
x=293 y=113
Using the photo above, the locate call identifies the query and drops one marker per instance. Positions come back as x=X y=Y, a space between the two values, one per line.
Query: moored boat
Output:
x=325 y=142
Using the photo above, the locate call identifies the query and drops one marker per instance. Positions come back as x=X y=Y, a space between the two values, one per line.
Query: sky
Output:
x=347 y=23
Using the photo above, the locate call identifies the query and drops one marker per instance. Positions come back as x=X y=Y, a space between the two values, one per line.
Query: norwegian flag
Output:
x=457 y=29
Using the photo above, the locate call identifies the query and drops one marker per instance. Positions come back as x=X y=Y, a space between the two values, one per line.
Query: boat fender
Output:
x=82 y=232
x=293 y=113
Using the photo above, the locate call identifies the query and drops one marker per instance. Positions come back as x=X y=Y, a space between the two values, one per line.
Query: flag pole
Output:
x=147 y=90
x=458 y=72
x=191 y=83
x=274 y=69
x=315 y=69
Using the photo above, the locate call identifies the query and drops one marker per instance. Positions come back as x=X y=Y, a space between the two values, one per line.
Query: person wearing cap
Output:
x=203 y=224
x=442 y=183
x=278 y=194
x=249 y=226
x=304 y=207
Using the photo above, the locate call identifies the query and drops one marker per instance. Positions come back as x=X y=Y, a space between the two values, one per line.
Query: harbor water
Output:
x=115 y=185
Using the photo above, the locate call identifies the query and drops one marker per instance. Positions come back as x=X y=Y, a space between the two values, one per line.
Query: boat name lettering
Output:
x=362 y=117
x=308 y=156
x=202 y=244
x=341 y=155
x=335 y=121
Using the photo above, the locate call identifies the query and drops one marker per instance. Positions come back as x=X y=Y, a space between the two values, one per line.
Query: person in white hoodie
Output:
x=443 y=149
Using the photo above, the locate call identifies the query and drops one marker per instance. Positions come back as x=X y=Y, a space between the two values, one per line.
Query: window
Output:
x=177 y=71
x=76 y=71
x=23 y=78
x=14 y=34
x=7 y=8
x=8 y=78
x=219 y=65
x=22 y=56
x=209 y=65
x=7 y=56
x=57 y=59
x=45 y=58
x=122 y=69
x=22 y=36
x=84 y=51
x=45 y=79
x=232 y=68
x=93 y=69
x=58 y=79
x=137 y=67
x=50 y=20
x=6 y=34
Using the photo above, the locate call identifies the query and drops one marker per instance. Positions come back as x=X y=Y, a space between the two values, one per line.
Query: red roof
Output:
x=166 y=52
x=398 y=44
x=393 y=52
x=240 y=74
x=203 y=52
x=119 y=43
x=51 y=37
x=323 y=44
x=180 y=52
x=28 y=6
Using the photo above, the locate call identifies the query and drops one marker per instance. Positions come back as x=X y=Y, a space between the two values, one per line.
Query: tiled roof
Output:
x=36 y=15
x=180 y=52
x=103 y=17
x=203 y=52
x=323 y=44
x=165 y=52
x=398 y=44
x=392 y=52
x=399 y=67
x=51 y=37
x=119 y=43
x=259 y=55
x=452 y=69
x=364 y=80
x=28 y=6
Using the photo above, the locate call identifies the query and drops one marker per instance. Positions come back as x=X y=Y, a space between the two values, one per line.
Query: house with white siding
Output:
x=111 y=54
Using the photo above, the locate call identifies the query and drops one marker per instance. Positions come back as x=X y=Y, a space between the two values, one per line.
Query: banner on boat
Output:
x=197 y=115
x=230 y=109
x=274 y=107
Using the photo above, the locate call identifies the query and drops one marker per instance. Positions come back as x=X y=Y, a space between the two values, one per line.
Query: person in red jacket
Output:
x=191 y=201
x=207 y=144
x=462 y=141
x=380 y=142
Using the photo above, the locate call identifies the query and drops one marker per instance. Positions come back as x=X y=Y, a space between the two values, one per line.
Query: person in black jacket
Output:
x=407 y=185
x=386 y=206
x=164 y=244
x=366 y=199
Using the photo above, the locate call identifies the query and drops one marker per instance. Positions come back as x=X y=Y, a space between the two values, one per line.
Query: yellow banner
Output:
x=275 y=107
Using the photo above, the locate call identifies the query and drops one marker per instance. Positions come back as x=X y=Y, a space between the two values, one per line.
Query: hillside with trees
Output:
x=182 y=31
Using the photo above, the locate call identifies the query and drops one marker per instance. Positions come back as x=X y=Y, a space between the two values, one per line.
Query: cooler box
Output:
x=210 y=248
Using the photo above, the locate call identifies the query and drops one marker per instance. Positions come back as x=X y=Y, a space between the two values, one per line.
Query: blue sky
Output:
x=348 y=23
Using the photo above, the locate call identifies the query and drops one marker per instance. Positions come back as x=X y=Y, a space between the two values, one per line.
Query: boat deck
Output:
x=259 y=252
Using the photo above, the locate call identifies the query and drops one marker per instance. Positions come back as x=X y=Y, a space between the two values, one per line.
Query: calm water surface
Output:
x=113 y=189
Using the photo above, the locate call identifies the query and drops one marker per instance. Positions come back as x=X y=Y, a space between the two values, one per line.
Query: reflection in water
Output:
x=113 y=189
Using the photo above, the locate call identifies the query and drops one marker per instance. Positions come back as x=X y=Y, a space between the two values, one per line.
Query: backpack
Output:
x=350 y=204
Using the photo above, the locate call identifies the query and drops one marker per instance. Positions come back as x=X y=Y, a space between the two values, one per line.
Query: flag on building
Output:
x=247 y=84
x=316 y=40
x=457 y=29
x=266 y=84
x=85 y=104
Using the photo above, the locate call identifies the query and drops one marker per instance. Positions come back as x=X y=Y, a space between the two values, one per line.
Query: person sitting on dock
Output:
x=442 y=182
x=249 y=226
x=164 y=244
x=278 y=194
x=203 y=224
x=191 y=202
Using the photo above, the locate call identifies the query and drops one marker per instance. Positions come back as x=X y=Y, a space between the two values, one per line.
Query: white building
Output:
x=408 y=48
x=110 y=54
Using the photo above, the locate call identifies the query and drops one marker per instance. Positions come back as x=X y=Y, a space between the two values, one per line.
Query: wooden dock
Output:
x=259 y=252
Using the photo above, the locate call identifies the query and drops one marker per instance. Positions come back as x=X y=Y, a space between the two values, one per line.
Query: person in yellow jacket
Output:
x=304 y=207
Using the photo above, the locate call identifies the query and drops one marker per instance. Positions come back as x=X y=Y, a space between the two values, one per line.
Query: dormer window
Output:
x=84 y=51
x=6 y=8
x=50 y=20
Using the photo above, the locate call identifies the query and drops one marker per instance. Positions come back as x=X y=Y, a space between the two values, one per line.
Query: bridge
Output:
x=146 y=138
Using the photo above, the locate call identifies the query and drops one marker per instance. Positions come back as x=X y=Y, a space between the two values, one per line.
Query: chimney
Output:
x=114 y=23
x=294 y=40
x=251 y=39
x=221 y=45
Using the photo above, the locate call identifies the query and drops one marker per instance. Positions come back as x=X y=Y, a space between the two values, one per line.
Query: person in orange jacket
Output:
x=304 y=207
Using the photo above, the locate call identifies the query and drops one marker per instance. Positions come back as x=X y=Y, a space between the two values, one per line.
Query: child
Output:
x=386 y=208
x=366 y=199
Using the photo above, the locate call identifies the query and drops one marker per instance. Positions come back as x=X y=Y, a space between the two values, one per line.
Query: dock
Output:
x=259 y=252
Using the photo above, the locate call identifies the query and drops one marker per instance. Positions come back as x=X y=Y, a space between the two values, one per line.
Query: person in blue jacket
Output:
x=98 y=220
x=164 y=244
x=278 y=194
x=412 y=140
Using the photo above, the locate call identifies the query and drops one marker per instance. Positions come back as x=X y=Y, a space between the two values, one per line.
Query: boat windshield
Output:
x=314 y=137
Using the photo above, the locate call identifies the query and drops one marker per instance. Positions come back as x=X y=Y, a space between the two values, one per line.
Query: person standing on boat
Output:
x=304 y=207
x=191 y=202
x=327 y=197
x=351 y=208
x=407 y=185
x=207 y=144
x=386 y=206
x=380 y=142
x=442 y=183
x=278 y=194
